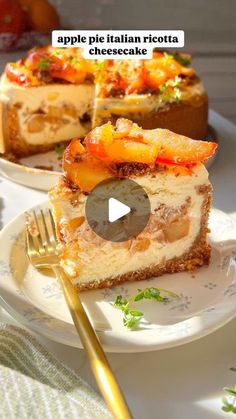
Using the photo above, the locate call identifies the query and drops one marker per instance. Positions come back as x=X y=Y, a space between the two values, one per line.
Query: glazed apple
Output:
x=127 y=142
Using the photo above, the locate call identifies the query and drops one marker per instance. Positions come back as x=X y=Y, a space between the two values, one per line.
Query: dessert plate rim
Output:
x=202 y=323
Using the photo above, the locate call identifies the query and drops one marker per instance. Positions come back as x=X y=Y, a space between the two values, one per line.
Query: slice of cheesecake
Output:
x=46 y=98
x=168 y=167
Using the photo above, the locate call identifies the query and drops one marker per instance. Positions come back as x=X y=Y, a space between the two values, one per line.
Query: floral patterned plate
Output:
x=207 y=299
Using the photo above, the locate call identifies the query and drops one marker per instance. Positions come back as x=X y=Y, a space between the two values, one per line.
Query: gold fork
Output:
x=43 y=251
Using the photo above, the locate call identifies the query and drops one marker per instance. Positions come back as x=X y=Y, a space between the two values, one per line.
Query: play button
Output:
x=117 y=209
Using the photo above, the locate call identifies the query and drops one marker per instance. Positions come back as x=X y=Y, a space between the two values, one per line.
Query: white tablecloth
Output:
x=184 y=382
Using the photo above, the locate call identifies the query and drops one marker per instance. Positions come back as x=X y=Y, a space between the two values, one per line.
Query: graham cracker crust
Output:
x=198 y=255
x=188 y=118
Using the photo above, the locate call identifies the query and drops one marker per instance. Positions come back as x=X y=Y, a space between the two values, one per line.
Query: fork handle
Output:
x=98 y=360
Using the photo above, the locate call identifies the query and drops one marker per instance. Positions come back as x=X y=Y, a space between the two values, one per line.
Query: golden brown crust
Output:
x=197 y=256
x=3 y=144
x=188 y=118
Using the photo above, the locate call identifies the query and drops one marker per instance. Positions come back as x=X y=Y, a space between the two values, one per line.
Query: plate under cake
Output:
x=168 y=167
x=54 y=94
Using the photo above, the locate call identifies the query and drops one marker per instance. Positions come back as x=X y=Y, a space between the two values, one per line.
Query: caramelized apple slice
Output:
x=132 y=151
x=155 y=78
x=105 y=143
x=179 y=149
x=173 y=148
x=73 y=150
x=130 y=143
x=99 y=139
x=81 y=169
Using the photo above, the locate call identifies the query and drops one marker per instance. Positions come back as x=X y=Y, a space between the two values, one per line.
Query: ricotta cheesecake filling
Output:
x=174 y=226
x=50 y=113
x=129 y=106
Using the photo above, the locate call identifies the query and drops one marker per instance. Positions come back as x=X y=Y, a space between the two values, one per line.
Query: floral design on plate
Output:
x=207 y=299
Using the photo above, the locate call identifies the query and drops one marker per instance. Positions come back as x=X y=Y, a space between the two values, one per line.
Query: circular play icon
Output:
x=117 y=209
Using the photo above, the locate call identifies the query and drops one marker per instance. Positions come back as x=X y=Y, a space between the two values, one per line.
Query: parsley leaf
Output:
x=56 y=53
x=167 y=58
x=43 y=63
x=229 y=402
x=183 y=59
x=132 y=317
x=73 y=61
x=99 y=65
x=155 y=294
x=231 y=391
x=149 y=294
x=59 y=149
x=169 y=91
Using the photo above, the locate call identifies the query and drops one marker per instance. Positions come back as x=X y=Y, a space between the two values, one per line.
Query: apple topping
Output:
x=83 y=169
x=44 y=65
x=87 y=165
x=127 y=142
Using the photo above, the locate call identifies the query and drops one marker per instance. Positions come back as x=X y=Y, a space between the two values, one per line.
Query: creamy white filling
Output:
x=99 y=260
x=39 y=100
x=134 y=103
x=32 y=100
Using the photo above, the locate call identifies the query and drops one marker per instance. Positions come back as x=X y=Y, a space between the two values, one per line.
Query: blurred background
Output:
x=210 y=33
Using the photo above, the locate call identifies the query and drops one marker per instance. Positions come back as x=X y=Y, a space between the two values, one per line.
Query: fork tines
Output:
x=41 y=232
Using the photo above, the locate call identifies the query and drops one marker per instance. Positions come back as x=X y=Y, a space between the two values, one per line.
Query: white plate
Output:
x=207 y=299
x=26 y=174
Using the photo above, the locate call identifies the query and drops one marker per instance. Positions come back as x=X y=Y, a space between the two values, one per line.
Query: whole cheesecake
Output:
x=168 y=167
x=54 y=94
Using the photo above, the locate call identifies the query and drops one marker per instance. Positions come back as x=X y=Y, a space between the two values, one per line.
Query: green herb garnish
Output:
x=184 y=60
x=229 y=401
x=155 y=294
x=73 y=61
x=132 y=317
x=167 y=57
x=99 y=65
x=43 y=63
x=59 y=149
x=169 y=91
x=56 y=52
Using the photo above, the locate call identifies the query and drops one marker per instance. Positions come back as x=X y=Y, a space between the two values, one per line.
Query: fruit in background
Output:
x=41 y=15
x=12 y=17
